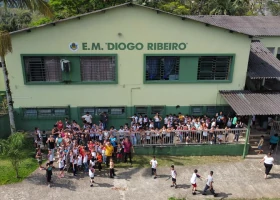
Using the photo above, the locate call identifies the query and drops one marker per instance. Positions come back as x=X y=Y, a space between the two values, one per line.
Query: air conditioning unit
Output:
x=65 y=65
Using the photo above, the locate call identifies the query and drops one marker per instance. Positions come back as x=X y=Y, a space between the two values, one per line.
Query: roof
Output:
x=248 y=25
x=249 y=103
x=262 y=63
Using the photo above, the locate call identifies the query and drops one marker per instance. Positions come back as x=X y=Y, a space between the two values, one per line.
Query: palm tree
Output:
x=6 y=45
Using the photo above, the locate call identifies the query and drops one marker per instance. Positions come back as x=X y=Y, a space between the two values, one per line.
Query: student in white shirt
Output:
x=91 y=171
x=193 y=181
x=61 y=167
x=173 y=176
x=154 y=164
x=209 y=184
x=85 y=162
x=87 y=117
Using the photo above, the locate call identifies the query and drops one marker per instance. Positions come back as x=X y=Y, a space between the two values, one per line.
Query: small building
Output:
x=133 y=59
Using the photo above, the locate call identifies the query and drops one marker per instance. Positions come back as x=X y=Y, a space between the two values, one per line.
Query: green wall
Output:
x=193 y=150
x=4 y=126
x=28 y=124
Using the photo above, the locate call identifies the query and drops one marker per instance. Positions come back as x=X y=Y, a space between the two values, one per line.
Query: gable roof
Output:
x=248 y=25
x=262 y=63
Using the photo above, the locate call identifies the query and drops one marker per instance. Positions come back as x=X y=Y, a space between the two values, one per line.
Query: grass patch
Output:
x=27 y=166
x=249 y=199
x=140 y=161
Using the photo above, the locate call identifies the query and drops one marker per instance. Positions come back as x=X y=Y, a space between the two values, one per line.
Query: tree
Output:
x=274 y=7
x=6 y=45
x=13 y=149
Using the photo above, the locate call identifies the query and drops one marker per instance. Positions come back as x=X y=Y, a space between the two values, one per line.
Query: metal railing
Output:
x=174 y=137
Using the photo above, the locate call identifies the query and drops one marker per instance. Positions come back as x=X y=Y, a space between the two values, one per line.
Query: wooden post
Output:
x=247 y=136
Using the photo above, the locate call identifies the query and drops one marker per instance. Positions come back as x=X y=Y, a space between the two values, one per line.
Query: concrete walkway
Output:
x=231 y=180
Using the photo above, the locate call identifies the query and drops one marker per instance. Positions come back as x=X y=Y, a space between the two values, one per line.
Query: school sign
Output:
x=130 y=46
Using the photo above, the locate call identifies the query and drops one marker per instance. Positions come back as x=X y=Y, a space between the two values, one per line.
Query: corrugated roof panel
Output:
x=249 y=103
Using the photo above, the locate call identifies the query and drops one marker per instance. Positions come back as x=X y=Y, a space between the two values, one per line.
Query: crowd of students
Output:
x=85 y=148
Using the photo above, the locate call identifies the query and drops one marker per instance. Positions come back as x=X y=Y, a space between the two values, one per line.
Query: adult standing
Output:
x=127 y=150
x=109 y=149
x=157 y=120
x=268 y=163
x=51 y=144
x=273 y=141
x=105 y=119
x=88 y=118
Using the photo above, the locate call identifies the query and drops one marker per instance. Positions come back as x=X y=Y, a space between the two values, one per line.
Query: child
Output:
x=154 y=164
x=261 y=144
x=209 y=185
x=112 y=171
x=44 y=136
x=99 y=161
x=50 y=157
x=119 y=152
x=75 y=161
x=61 y=167
x=79 y=162
x=91 y=171
x=193 y=181
x=103 y=154
x=49 y=173
x=39 y=158
x=173 y=175
x=85 y=161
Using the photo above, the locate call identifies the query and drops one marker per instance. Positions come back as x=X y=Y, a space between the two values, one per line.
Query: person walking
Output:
x=273 y=142
x=261 y=144
x=193 y=181
x=268 y=163
x=209 y=184
x=154 y=164
x=173 y=176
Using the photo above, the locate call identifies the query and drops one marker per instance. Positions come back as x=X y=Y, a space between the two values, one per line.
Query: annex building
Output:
x=133 y=59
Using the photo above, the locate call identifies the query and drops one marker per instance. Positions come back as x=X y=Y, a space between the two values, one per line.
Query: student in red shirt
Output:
x=59 y=125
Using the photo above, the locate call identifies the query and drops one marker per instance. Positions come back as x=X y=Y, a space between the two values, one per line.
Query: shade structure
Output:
x=245 y=102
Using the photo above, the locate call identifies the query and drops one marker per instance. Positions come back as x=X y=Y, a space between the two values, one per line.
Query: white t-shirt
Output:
x=91 y=172
x=87 y=118
x=193 y=178
x=61 y=164
x=154 y=164
x=268 y=160
x=173 y=173
x=85 y=159
x=209 y=180
x=80 y=160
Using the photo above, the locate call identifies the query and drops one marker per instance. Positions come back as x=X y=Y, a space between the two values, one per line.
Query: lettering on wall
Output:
x=130 y=46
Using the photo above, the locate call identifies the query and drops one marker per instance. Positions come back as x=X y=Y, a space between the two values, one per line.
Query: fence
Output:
x=180 y=136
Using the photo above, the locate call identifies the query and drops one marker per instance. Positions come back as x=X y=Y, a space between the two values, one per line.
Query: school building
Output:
x=134 y=59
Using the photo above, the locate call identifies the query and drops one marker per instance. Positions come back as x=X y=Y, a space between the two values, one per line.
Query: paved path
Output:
x=232 y=180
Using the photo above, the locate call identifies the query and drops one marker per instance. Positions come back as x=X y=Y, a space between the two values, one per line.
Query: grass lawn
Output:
x=167 y=161
x=27 y=166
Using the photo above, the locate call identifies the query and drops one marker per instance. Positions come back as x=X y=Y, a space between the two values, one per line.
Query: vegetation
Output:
x=14 y=152
x=274 y=7
x=140 y=161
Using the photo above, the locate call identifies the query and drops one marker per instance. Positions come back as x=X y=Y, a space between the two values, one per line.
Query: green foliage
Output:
x=274 y=7
x=174 y=198
x=13 y=150
x=175 y=7
x=67 y=8
x=14 y=19
x=40 y=21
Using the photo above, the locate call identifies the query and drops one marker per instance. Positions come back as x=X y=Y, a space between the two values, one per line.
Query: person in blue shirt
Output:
x=113 y=141
x=273 y=142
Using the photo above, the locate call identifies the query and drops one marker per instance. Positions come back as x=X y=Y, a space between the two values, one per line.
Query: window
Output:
x=211 y=110
x=117 y=111
x=101 y=110
x=214 y=67
x=157 y=109
x=29 y=112
x=271 y=49
x=162 y=68
x=42 y=69
x=98 y=68
x=141 y=110
x=52 y=112
x=91 y=111
x=196 y=110
x=278 y=53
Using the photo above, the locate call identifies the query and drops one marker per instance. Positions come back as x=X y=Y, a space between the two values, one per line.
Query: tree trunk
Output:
x=8 y=96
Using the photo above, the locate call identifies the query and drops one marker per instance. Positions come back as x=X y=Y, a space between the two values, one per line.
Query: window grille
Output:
x=98 y=68
x=196 y=110
x=91 y=111
x=214 y=67
x=46 y=69
x=101 y=110
x=117 y=111
x=211 y=110
x=162 y=68
x=29 y=112
x=139 y=110
x=157 y=109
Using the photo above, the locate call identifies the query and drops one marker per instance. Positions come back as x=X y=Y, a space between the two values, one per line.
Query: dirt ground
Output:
x=244 y=179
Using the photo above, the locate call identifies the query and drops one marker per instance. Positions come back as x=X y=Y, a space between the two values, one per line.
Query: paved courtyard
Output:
x=231 y=180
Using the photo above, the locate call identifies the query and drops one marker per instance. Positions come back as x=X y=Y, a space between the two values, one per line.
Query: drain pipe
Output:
x=131 y=102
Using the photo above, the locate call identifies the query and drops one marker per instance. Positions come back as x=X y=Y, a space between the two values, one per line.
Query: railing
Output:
x=175 y=137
